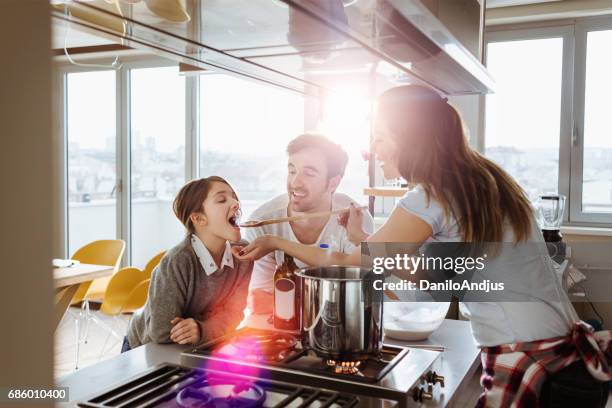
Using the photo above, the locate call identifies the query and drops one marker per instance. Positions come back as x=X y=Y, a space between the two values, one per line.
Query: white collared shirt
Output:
x=206 y=259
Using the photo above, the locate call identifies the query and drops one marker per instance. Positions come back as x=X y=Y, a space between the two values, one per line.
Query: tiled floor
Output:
x=65 y=342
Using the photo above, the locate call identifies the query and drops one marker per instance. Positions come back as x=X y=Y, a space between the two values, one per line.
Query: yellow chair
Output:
x=120 y=289
x=137 y=298
x=148 y=270
x=102 y=252
x=126 y=293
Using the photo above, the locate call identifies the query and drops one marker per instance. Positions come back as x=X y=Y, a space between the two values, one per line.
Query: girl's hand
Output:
x=353 y=222
x=258 y=248
x=184 y=331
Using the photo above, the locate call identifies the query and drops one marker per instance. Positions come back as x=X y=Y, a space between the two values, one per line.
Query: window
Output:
x=346 y=120
x=523 y=116
x=136 y=135
x=124 y=166
x=92 y=176
x=548 y=124
x=157 y=107
x=597 y=159
x=244 y=130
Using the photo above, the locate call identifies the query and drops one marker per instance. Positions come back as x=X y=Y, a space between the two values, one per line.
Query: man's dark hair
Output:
x=335 y=156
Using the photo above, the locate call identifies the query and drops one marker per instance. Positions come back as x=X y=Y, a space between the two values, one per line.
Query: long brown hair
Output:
x=191 y=197
x=433 y=151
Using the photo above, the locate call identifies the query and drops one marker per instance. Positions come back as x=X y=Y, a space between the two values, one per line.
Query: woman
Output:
x=461 y=196
x=198 y=291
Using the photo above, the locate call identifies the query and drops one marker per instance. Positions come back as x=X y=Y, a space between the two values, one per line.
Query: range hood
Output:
x=295 y=44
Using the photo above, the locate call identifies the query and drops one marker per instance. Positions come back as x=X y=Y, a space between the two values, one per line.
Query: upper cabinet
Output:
x=301 y=44
x=464 y=19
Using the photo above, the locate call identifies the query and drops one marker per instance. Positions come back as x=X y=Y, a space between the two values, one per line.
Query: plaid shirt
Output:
x=513 y=374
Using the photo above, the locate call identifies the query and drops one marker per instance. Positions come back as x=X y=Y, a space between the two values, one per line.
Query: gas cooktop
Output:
x=169 y=385
x=279 y=349
x=397 y=373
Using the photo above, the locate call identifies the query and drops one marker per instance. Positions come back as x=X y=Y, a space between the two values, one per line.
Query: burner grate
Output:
x=370 y=370
x=160 y=386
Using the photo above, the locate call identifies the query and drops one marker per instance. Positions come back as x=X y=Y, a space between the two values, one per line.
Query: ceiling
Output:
x=508 y=3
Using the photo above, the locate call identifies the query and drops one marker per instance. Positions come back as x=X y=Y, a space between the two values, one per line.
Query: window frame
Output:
x=583 y=27
x=61 y=114
x=566 y=32
x=123 y=146
x=571 y=138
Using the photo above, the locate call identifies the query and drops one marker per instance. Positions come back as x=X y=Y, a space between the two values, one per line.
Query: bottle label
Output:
x=284 y=296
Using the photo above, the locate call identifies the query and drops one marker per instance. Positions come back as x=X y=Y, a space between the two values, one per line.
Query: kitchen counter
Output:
x=459 y=362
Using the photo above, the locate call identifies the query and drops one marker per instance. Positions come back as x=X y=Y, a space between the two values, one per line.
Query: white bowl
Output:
x=413 y=321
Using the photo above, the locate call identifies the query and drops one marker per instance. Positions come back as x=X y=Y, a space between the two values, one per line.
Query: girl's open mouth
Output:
x=234 y=220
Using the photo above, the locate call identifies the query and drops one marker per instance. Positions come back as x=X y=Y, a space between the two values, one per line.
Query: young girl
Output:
x=198 y=291
x=548 y=357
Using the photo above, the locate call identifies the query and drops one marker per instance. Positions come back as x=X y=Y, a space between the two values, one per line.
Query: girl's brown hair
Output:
x=190 y=199
x=433 y=151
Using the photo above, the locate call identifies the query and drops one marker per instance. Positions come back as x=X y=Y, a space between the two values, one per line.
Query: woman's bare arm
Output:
x=401 y=227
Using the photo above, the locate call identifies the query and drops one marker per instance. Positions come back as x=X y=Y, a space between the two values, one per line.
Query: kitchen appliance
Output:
x=295 y=44
x=341 y=312
x=395 y=373
x=550 y=209
x=168 y=385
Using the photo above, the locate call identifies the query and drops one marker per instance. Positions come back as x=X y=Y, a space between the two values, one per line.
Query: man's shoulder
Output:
x=271 y=208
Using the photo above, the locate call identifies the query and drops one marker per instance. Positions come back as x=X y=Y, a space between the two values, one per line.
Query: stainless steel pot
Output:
x=342 y=314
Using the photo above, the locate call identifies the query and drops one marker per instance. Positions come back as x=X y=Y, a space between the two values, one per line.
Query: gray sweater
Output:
x=180 y=288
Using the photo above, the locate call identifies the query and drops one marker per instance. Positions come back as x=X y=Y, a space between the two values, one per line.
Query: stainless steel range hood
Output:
x=296 y=44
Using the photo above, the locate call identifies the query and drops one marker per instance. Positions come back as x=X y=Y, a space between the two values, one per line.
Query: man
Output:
x=314 y=171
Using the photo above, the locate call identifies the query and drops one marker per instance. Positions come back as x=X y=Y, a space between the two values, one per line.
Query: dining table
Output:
x=67 y=280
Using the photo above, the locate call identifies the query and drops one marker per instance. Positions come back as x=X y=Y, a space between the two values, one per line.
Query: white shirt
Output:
x=497 y=322
x=206 y=259
x=333 y=234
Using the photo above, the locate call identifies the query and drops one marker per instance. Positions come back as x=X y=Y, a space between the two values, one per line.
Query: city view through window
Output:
x=92 y=162
x=523 y=116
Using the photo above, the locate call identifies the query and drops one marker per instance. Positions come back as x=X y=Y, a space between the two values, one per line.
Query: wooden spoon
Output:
x=251 y=224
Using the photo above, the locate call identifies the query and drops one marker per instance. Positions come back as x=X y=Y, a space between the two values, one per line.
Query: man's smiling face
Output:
x=307 y=180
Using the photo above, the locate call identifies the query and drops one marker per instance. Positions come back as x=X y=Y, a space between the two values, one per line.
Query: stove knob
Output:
x=419 y=394
x=426 y=396
x=433 y=378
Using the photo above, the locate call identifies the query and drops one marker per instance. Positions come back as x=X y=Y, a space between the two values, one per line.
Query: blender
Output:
x=549 y=210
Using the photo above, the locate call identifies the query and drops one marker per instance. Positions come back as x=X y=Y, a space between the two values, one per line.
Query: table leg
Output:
x=63 y=303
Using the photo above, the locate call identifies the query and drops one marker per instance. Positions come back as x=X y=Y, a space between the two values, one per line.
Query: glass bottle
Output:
x=287 y=292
